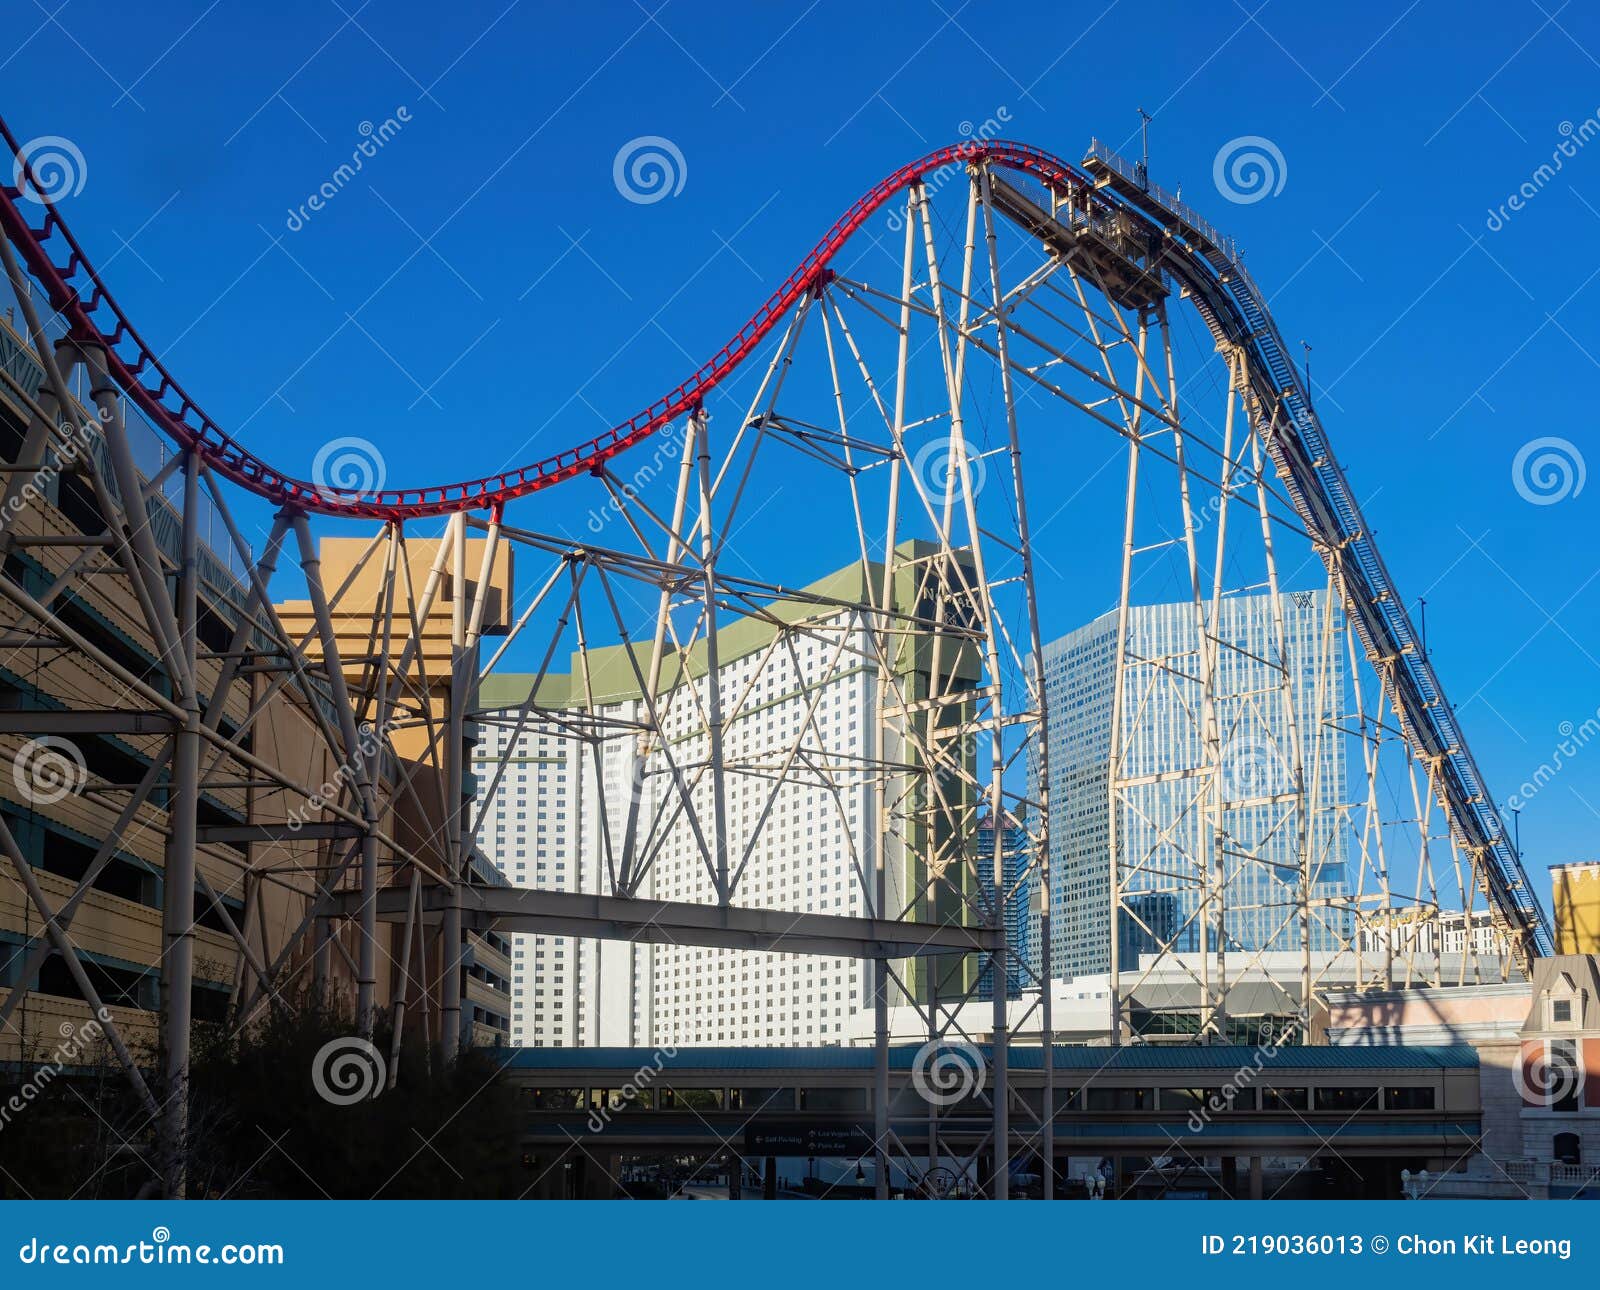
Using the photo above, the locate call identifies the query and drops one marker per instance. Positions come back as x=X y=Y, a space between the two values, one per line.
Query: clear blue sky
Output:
x=481 y=295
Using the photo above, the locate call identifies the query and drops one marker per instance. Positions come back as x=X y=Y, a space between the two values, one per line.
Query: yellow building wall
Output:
x=1577 y=901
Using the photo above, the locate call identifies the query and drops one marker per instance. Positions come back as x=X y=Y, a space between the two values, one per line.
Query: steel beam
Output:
x=562 y=913
x=278 y=831
x=83 y=721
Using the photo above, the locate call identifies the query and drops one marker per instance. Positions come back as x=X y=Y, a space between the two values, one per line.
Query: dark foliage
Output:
x=261 y=1129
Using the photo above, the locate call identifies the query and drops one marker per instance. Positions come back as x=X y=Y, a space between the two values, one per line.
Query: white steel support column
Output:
x=359 y=762
x=709 y=539
x=1292 y=717
x=1213 y=875
x=450 y=947
x=1036 y=710
x=883 y=849
x=1119 y=671
x=178 y=883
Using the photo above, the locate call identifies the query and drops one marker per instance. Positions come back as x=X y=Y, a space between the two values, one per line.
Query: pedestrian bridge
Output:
x=588 y=1113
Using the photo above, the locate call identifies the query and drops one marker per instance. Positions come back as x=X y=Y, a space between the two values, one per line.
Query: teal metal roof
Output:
x=1233 y=1056
x=1220 y=1057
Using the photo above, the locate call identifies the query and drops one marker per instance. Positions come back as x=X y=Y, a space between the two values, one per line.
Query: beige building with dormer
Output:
x=1538 y=1045
x=1558 y=1073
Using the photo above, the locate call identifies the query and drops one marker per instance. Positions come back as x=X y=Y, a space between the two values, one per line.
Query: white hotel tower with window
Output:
x=799 y=839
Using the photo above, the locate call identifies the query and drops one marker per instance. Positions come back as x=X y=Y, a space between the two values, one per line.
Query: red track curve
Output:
x=144 y=379
x=1323 y=495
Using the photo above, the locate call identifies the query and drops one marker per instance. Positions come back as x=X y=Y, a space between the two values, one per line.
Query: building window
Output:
x=691 y=1099
x=1408 y=1099
x=761 y=1099
x=556 y=1099
x=1565 y=1075
x=1560 y=1010
x=833 y=1099
x=1187 y=1099
x=1119 y=1099
x=1346 y=1099
x=1567 y=1149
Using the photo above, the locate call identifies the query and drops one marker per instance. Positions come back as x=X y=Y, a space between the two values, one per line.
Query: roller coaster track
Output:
x=1192 y=253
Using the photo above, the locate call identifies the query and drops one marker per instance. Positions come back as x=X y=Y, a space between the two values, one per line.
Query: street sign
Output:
x=786 y=1138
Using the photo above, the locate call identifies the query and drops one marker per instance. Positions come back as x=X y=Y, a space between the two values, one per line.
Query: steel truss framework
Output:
x=1018 y=308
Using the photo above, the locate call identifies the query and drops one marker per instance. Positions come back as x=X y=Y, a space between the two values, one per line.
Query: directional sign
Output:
x=787 y=1138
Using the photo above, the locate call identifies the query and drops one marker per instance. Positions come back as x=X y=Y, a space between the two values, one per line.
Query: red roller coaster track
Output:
x=1222 y=291
x=80 y=297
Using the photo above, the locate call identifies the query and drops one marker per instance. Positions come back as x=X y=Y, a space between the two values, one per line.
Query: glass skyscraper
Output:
x=1165 y=837
x=1014 y=858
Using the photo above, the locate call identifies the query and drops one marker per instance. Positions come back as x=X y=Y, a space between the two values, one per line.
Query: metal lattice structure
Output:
x=928 y=395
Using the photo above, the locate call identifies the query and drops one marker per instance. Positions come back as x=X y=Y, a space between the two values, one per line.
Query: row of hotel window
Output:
x=1340 y=1098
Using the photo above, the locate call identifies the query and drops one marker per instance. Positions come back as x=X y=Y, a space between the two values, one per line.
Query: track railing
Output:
x=92 y=317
